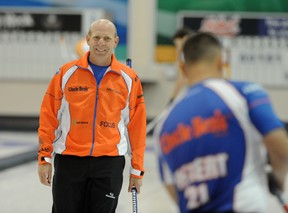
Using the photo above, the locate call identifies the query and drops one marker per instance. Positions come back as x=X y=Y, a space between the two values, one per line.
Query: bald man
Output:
x=216 y=137
x=92 y=114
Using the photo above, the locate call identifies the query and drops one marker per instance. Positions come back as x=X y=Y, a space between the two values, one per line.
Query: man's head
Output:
x=179 y=38
x=202 y=56
x=102 y=39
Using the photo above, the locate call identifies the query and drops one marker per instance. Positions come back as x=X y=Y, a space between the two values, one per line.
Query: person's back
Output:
x=213 y=138
x=218 y=157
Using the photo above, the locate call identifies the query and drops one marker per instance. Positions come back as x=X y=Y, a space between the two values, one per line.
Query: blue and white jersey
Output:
x=212 y=142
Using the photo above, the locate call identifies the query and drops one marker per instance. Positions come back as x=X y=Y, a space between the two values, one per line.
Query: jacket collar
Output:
x=114 y=66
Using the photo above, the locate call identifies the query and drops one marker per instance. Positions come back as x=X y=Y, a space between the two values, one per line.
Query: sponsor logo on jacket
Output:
x=78 y=88
x=107 y=124
x=79 y=122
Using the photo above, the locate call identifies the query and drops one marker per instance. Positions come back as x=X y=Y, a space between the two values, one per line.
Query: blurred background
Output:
x=38 y=36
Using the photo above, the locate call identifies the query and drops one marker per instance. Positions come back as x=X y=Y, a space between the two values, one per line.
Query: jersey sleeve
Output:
x=261 y=111
x=137 y=129
x=48 y=121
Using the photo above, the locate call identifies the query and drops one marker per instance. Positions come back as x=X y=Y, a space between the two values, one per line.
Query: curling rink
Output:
x=21 y=191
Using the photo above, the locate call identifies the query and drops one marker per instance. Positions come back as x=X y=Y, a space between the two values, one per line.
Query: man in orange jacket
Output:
x=92 y=114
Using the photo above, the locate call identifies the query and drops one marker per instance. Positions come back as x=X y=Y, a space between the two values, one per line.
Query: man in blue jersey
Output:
x=215 y=138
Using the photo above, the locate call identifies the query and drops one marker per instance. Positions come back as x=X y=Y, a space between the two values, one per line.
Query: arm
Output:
x=167 y=179
x=166 y=176
x=274 y=135
x=276 y=143
x=137 y=134
x=46 y=132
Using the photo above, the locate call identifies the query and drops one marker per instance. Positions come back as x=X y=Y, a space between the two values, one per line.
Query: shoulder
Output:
x=123 y=68
x=67 y=66
x=81 y=62
x=129 y=71
x=249 y=88
x=129 y=74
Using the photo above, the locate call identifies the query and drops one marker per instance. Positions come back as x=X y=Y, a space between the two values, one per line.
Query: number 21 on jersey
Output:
x=196 y=195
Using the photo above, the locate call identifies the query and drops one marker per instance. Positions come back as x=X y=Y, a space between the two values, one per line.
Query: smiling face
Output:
x=102 y=39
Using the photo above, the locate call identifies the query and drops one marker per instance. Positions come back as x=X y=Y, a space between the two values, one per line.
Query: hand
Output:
x=45 y=173
x=137 y=182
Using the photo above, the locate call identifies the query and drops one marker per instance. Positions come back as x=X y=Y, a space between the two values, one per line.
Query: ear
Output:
x=220 y=65
x=87 y=39
x=116 y=41
x=182 y=68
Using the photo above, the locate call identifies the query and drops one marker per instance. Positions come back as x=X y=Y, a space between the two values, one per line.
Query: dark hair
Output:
x=182 y=33
x=201 y=46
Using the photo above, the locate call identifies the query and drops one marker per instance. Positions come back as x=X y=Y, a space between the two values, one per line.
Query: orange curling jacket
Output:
x=79 y=117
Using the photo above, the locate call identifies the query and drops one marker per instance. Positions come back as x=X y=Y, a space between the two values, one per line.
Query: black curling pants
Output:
x=87 y=184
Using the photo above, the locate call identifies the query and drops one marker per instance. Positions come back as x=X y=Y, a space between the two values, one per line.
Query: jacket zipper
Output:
x=95 y=110
x=94 y=120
